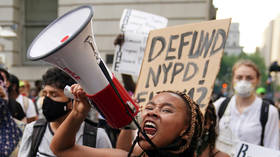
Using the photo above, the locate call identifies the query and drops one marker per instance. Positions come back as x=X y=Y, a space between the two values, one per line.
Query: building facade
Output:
x=232 y=46
x=28 y=17
x=270 y=49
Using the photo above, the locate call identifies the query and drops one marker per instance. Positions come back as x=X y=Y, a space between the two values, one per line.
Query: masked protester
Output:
x=171 y=120
x=56 y=107
x=243 y=114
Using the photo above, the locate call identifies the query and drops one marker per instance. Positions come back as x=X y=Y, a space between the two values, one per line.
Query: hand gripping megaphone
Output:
x=68 y=43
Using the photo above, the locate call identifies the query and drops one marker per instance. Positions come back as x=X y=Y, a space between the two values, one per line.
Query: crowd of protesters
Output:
x=40 y=120
x=29 y=119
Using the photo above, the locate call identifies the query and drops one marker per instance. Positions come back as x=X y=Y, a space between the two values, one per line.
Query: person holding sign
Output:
x=247 y=116
x=129 y=84
x=171 y=120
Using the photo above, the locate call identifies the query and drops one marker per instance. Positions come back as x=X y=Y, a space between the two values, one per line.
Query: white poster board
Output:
x=139 y=22
x=228 y=143
x=244 y=149
x=136 y=26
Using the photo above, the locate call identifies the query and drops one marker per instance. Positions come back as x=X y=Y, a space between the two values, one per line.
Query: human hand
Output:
x=81 y=104
x=119 y=40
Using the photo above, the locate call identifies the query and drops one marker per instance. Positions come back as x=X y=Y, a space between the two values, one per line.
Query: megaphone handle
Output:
x=92 y=44
x=67 y=92
x=108 y=77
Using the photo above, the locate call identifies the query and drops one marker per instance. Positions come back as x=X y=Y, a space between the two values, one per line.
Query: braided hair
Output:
x=209 y=133
x=186 y=144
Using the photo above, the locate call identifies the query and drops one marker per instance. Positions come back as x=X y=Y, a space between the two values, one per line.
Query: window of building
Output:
x=109 y=58
x=37 y=14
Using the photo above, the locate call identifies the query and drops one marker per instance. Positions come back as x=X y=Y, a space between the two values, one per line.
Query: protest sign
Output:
x=128 y=58
x=139 y=22
x=244 y=149
x=136 y=26
x=183 y=58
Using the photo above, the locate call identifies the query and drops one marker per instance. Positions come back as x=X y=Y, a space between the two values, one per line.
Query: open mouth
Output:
x=150 y=128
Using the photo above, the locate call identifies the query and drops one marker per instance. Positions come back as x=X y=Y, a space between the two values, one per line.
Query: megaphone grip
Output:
x=112 y=107
x=67 y=92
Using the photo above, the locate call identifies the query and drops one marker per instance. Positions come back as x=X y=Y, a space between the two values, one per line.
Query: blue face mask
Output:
x=53 y=110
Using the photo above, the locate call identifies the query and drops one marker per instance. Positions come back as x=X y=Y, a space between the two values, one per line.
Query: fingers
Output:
x=79 y=93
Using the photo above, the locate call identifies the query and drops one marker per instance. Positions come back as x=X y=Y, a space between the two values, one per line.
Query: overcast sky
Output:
x=253 y=17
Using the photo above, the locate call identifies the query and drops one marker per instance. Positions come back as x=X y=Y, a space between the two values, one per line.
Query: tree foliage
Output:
x=225 y=73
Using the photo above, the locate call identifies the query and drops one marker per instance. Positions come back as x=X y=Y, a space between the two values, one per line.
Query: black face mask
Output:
x=53 y=110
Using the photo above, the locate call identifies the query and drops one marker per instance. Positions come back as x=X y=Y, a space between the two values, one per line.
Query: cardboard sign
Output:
x=244 y=149
x=139 y=22
x=183 y=58
x=136 y=26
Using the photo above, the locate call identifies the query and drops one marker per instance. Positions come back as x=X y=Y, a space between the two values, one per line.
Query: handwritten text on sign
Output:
x=136 y=26
x=139 y=22
x=243 y=149
x=183 y=58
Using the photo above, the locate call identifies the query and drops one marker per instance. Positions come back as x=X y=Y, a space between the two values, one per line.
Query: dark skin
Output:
x=166 y=110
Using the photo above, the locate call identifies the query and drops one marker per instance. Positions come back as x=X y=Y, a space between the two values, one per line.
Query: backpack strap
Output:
x=90 y=133
x=264 y=118
x=25 y=102
x=223 y=107
x=39 y=129
x=111 y=132
x=15 y=109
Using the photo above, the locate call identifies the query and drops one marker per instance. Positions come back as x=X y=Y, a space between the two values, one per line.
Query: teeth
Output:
x=150 y=124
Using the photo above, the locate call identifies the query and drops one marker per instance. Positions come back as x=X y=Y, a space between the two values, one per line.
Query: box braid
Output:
x=209 y=133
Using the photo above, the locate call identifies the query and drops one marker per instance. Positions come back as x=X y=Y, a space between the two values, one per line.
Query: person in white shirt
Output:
x=56 y=107
x=244 y=109
x=26 y=103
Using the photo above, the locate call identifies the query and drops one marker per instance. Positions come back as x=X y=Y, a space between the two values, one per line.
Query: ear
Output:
x=183 y=131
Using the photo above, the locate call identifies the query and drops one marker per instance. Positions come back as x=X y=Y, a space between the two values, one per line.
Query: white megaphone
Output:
x=68 y=43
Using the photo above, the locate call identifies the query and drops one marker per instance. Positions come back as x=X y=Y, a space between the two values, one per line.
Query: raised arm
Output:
x=64 y=138
x=63 y=143
x=125 y=139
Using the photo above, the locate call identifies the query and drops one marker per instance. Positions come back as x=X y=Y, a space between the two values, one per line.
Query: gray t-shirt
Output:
x=102 y=141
